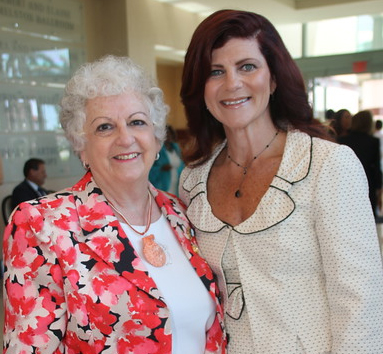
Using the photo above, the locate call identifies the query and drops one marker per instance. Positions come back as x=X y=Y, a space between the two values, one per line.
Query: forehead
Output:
x=238 y=48
x=41 y=166
x=127 y=101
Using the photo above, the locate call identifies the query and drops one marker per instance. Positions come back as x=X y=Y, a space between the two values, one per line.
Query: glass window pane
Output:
x=41 y=43
x=336 y=36
x=344 y=35
x=292 y=37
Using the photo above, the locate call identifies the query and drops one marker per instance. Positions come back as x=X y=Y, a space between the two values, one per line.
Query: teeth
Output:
x=229 y=103
x=127 y=157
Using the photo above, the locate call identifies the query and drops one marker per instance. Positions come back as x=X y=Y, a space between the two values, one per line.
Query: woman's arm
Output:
x=350 y=253
x=34 y=303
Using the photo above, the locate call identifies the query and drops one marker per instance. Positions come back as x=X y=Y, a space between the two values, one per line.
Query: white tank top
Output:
x=192 y=309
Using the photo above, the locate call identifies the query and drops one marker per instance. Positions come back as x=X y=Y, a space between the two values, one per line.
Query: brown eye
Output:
x=137 y=122
x=104 y=127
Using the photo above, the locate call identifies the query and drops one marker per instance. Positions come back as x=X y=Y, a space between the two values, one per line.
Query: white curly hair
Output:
x=108 y=76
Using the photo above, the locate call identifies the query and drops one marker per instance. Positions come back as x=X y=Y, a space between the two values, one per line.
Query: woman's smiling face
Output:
x=238 y=89
x=120 y=142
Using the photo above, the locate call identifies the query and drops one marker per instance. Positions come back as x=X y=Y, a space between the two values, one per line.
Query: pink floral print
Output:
x=74 y=284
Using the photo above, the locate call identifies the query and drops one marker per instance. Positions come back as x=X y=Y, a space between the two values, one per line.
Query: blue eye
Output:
x=248 y=67
x=216 y=72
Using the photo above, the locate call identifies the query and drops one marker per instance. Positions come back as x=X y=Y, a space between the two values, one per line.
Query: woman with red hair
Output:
x=281 y=213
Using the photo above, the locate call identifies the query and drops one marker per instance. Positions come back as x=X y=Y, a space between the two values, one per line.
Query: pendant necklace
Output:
x=238 y=193
x=153 y=253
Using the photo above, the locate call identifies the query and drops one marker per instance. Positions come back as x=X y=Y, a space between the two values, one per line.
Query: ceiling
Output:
x=286 y=11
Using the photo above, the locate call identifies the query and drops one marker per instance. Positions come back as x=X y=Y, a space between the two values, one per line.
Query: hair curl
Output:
x=105 y=77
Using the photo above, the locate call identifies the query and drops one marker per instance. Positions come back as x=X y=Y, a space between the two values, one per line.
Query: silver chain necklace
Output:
x=238 y=193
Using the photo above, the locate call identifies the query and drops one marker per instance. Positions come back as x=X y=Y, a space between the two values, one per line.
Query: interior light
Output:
x=192 y=7
x=163 y=48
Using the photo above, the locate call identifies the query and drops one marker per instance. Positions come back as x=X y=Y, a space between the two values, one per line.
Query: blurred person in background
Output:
x=367 y=147
x=32 y=187
x=166 y=170
x=378 y=133
x=341 y=122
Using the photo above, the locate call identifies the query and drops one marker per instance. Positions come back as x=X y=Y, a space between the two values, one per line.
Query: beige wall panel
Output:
x=106 y=28
x=169 y=79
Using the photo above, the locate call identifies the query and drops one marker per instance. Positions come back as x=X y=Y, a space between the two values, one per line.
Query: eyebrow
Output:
x=139 y=112
x=109 y=118
x=237 y=63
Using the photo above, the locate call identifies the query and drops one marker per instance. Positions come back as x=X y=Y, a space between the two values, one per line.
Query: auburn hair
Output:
x=289 y=106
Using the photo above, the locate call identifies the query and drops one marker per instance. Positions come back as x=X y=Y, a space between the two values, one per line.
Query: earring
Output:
x=157 y=156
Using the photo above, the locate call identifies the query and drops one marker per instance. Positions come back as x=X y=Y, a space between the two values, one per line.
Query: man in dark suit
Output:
x=31 y=188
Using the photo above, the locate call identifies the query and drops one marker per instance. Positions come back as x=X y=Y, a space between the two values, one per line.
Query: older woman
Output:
x=111 y=264
x=281 y=214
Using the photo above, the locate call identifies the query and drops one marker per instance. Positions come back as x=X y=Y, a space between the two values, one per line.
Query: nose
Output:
x=125 y=135
x=233 y=80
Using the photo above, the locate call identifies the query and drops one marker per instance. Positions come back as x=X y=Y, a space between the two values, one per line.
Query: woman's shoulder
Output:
x=319 y=151
x=164 y=198
x=195 y=166
x=319 y=145
x=52 y=202
x=338 y=157
x=327 y=146
x=195 y=174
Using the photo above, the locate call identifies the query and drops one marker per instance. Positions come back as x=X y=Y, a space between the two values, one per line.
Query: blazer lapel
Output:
x=276 y=205
x=104 y=236
x=174 y=213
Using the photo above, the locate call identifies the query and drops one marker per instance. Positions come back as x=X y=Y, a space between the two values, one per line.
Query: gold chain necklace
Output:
x=153 y=253
x=238 y=193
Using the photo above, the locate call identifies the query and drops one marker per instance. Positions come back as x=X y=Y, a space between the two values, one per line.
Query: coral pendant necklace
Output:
x=238 y=192
x=153 y=253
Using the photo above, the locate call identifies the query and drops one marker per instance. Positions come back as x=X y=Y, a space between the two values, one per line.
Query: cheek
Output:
x=91 y=152
x=208 y=94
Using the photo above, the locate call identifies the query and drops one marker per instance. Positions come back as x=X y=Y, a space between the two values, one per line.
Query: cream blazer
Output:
x=308 y=258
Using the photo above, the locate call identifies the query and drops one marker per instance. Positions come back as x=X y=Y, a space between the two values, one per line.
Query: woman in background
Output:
x=281 y=214
x=166 y=170
x=367 y=148
x=341 y=123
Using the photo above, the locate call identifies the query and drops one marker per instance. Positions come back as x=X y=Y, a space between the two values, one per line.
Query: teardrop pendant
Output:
x=245 y=169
